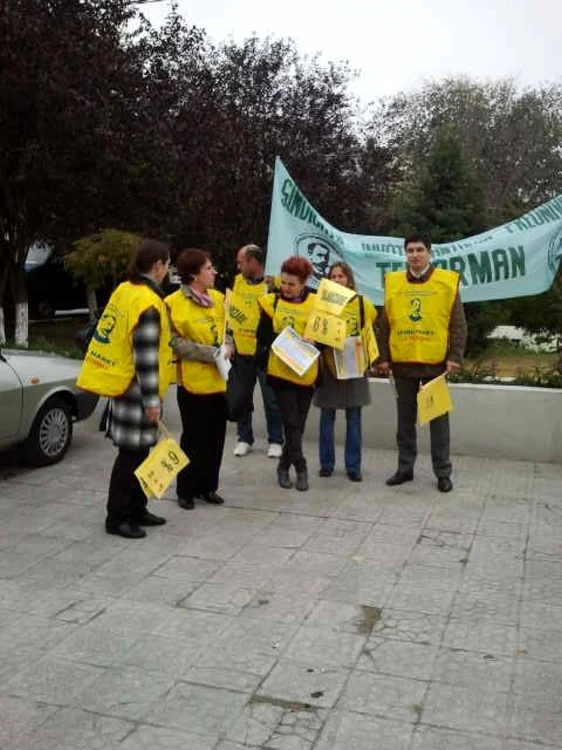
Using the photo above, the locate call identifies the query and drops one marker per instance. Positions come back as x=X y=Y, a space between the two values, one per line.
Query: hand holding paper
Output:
x=294 y=351
x=222 y=360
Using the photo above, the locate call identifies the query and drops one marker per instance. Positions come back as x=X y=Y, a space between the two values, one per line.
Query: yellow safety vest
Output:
x=352 y=316
x=202 y=325
x=245 y=335
x=285 y=314
x=109 y=366
x=419 y=315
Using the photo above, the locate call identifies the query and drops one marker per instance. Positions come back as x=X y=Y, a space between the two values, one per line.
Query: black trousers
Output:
x=294 y=404
x=203 y=419
x=439 y=432
x=126 y=501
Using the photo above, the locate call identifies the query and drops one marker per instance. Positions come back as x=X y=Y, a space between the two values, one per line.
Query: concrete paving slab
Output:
x=351 y=616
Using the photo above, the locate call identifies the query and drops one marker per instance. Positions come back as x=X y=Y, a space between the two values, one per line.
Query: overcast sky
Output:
x=397 y=44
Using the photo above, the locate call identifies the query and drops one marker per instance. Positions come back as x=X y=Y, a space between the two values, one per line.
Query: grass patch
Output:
x=510 y=365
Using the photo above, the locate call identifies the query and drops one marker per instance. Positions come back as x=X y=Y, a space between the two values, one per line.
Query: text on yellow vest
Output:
x=109 y=366
x=419 y=315
x=245 y=335
x=284 y=314
x=202 y=325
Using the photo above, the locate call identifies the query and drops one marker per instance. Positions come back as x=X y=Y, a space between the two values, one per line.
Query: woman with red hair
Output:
x=290 y=306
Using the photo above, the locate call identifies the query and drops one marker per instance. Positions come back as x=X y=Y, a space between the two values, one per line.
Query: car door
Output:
x=11 y=401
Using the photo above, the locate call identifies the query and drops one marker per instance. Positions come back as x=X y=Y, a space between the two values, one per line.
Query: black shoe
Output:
x=213 y=498
x=399 y=478
x=355 y=476
x=149 y=519
x=302 y=480
x=126 y=530
x=187 y=503
x=284 y=479
x=325 y=472
x=444 y=484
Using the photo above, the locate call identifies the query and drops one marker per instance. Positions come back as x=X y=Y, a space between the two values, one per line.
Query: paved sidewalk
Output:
x=351 y=617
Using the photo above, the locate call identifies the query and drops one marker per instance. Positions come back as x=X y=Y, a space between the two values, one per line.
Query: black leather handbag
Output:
x=238 y=399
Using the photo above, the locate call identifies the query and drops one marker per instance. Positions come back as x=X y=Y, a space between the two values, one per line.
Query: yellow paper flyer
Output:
x=294 y=351
x=326 y=329
x=332 y=297
x=434 y=399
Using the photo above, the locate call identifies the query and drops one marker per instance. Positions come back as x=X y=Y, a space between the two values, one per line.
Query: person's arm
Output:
x=382 y=332
x=187 y=349
x=457 y=336
x=146 y=339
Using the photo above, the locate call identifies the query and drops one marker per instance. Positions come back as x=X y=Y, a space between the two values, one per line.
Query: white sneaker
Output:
x=242 y=448
x=275 y=450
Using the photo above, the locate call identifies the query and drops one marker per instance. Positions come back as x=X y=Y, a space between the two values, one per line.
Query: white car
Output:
x=39 y=403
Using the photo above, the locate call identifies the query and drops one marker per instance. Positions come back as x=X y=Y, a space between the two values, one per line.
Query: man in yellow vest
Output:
x=422 y=333
x=249 y=285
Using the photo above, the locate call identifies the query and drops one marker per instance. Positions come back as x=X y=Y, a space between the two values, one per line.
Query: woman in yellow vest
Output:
x=350 y=395
x=290 y=307
x=128 y=359
x=198 y=331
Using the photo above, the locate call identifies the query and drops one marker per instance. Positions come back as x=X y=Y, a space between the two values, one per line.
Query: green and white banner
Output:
x=515 y=260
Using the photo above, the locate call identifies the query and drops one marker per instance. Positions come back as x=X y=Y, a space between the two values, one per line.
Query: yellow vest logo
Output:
x=286 y=321
x=415 y=310
x=105 y=327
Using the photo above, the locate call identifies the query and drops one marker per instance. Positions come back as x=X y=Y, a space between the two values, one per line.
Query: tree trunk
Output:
x=22 y=324
x=2 y=326
x=92 y=303
x=3 y=300
x=21 y=309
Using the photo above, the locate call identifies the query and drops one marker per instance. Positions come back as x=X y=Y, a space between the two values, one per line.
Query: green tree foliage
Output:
x=102 y=258
x=444 y=199
x=238 y=105
x=79 y=145
x=512 y=137
x=542 y=313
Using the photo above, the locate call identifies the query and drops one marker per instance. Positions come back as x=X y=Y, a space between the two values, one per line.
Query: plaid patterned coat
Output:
x=129 y=427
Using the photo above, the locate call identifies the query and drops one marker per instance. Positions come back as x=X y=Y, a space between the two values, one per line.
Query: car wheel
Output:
x=50 y=434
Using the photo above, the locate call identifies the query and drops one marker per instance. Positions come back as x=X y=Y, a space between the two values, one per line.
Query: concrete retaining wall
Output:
x=493 y=421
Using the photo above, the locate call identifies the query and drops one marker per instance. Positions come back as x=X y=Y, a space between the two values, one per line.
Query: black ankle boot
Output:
x=283 y=478
x=302 y=480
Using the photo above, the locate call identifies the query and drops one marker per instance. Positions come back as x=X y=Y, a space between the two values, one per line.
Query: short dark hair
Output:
x=190 y=262
x=299 y=267
x=146 y=255
x=425 y=239
x=255 y=252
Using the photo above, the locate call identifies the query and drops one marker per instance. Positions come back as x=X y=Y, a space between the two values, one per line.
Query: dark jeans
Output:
x=352 y=439
x=407 y=391
x=203 y=419
x=249 y=372
x=294 y=404
x=126 y=501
